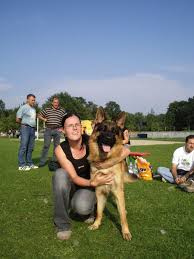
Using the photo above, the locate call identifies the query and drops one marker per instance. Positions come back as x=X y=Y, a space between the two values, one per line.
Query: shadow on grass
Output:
x=114 y=218
x=36 y=160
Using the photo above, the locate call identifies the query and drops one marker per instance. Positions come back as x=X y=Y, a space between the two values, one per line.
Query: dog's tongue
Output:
x=106 y=148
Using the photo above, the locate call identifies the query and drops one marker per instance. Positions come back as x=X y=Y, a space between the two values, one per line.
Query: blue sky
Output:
x=137 y=53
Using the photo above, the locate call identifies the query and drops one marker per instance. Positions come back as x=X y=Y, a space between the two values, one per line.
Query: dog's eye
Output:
x=104 y=127
x=99 y=127
x=115 y=130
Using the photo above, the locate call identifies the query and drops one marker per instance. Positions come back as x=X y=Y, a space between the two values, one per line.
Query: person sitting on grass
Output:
x=73 y=190
x=182 y=164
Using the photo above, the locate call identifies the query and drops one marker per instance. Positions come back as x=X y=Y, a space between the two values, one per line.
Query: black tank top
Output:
x=82 y=166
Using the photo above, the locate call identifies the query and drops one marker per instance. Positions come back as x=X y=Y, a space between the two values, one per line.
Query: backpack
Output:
x=144 y=169
x=53 y=165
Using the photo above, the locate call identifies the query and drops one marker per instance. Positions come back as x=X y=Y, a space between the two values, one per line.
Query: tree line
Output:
x=179 y=115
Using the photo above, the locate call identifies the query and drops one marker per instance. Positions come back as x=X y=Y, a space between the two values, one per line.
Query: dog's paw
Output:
x=127 y=236
x=93 y=227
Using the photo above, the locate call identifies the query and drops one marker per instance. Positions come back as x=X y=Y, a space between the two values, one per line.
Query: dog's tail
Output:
x=130 y=178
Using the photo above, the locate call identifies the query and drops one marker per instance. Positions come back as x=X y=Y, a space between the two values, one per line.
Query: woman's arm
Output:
x=113 y=161
x=69 y=168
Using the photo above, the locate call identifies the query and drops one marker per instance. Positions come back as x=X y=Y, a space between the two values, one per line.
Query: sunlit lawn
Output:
x=160 y=216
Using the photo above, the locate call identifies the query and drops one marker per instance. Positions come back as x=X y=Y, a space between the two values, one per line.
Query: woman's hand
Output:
x=113 y=161
x=101 y=179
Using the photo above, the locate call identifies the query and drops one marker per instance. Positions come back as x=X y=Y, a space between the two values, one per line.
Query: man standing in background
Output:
x=26 y=116
x=52 y=116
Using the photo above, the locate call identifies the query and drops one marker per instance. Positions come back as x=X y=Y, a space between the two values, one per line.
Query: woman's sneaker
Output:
x=64 y=235
x=90 y=220
x=24 y=168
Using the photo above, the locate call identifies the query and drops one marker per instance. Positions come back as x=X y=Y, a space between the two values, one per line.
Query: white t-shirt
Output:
x=183 y=159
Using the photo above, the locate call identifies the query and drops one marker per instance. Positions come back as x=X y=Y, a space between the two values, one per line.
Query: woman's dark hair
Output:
x=68 y=115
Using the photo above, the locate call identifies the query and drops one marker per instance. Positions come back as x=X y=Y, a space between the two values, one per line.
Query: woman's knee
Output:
x=61 y=179
x=83 y=202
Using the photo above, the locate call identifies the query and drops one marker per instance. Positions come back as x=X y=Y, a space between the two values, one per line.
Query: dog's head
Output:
x=106 y=136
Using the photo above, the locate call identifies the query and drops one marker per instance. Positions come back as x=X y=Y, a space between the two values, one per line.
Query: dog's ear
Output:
x=120 y=121
x=100 y=115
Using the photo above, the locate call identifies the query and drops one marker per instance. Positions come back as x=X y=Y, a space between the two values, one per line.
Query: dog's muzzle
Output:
x=106 y=138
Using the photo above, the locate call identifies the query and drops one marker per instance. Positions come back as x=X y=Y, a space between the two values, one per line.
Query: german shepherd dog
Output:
x=106 y=144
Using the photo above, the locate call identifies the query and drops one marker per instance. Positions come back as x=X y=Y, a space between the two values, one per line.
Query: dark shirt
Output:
x=82 y=166
x=181 y=172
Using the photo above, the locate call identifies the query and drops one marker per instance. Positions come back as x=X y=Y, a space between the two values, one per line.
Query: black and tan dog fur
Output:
x=113 y=133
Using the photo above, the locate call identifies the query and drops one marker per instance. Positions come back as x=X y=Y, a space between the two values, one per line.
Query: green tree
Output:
x=140 y=122
x=130 y=122
x=190 y=114
x=2 y=107
x=177 y=115
x=112 y=109
x=73 y=104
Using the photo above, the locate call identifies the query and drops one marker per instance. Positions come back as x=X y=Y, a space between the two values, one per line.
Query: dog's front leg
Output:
x=101 y=197
x=120 y=200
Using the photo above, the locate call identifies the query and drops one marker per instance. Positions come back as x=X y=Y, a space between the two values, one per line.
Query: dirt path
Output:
x=145 y=142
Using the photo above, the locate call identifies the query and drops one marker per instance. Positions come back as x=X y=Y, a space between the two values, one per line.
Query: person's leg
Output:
x=24 y=134
x=166 y=174
x=47 y=142
x=61 y=191
x=56 y=141
x=30 y=146
x=83 y=202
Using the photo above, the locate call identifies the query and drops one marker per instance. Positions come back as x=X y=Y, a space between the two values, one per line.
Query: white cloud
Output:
x=135 y=93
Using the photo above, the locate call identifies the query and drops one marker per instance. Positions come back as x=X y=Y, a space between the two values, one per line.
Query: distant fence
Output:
x=161 y=134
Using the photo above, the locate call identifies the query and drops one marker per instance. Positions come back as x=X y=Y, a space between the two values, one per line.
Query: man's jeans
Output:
x=66 y=197
x=48 y=135
x=26 y=145
x=167 y=175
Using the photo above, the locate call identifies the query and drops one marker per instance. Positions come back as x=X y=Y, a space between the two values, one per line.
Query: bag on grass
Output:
x=53 y=165
x=144 y=169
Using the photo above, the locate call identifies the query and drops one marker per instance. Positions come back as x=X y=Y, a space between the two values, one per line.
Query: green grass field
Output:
x=160 y=216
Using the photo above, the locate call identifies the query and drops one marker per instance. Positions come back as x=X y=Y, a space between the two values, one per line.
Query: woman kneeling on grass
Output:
x=73 y=190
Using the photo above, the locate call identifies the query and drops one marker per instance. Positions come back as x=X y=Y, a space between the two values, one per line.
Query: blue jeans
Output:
x=167 y=175
x=48 y=135
x=27 y=134
x=67 y=197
